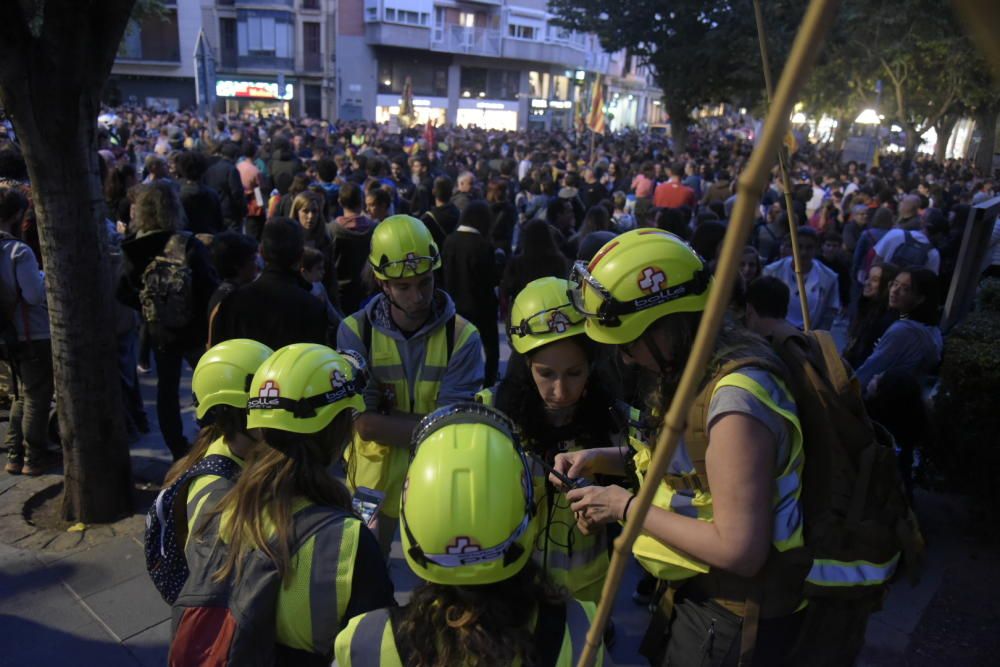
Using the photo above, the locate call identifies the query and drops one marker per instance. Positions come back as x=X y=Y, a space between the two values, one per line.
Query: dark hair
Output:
x=805 y=231
x=191 y=165
x=282 y=242
x=555 y=208
x=596 y=220
x=12 y=202
x=672 y=220
x=443 y=188
x=230 y=150
x=477 y=214
x=707 y=238
x=491 y=623
x=769 y=297
x=925 y=283
x=231 y=251
x=326 y=169
x=496 y=191
x=381 y=196
x=311 y=258
x=221 y=421
x=350 y=196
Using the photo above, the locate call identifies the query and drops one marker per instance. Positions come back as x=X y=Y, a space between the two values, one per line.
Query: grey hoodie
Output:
x=466 y=369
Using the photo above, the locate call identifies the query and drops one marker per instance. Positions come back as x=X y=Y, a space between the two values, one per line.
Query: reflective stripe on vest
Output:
x=379 y=466
x=853 y=573
x=669 y=564
x=578 y=618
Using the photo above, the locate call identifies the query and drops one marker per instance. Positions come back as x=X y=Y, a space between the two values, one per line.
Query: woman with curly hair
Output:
x=561 y=400
x=468 y=524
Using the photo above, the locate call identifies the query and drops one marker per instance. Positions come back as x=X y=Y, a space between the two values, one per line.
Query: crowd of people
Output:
x=341 y=293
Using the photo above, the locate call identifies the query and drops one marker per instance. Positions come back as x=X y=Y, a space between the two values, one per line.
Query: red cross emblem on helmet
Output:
x=652 y=280
x=337 y=379
x=269 y=389
x=558 y=322
x=463 y=545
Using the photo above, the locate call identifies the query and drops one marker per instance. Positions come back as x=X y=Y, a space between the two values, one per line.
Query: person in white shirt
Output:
x=822 y=294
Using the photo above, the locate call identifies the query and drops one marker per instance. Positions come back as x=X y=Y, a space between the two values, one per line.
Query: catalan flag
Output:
x=595 y=118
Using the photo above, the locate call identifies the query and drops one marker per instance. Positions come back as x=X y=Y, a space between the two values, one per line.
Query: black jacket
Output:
x=224 y=178
x=446 y=217
x=139 y=251
x=202 y=207
x=469 y=266
x=276 y=310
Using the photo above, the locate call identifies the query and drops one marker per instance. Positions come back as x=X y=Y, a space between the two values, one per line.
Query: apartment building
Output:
x=492 y=63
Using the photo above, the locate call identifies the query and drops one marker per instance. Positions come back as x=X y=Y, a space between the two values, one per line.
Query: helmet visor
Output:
x=549 y=321
x=413 y=265
x=609 y=309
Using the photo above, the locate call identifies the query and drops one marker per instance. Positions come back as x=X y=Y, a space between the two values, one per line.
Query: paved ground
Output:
x=94 y=605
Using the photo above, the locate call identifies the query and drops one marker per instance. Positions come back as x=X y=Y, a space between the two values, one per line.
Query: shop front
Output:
x=433 y=109
x=266 y=98
x=487 y=114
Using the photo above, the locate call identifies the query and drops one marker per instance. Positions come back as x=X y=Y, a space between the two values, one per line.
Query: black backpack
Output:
x=167 y=296
x=164 y=544
x=911 y=254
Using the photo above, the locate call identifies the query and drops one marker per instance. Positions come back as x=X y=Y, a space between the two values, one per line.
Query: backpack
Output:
x=167 y=297
x=911 y=254
x=233 y=623
x=164 y=543
x=859 y=527
x=9 y=342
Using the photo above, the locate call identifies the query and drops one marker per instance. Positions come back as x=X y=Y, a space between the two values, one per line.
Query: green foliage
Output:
x=988 y=297
x=702 y=51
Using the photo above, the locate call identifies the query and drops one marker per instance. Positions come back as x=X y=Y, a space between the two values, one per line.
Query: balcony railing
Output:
x=460 y=39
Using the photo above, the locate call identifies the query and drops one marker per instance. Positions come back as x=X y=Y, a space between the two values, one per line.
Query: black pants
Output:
x=168 y=382
x=490 y=336
x=704 y=634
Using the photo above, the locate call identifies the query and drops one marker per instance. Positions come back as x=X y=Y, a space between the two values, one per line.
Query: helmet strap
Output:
x=655 y=352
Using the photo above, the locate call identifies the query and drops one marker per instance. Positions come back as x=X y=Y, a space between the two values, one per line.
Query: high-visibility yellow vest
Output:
x=379 y=466
x=571 y=559
x=368 y=639
x=313 y=602
x=688 y=493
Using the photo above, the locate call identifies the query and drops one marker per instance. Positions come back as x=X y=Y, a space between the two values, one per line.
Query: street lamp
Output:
x=868 y=117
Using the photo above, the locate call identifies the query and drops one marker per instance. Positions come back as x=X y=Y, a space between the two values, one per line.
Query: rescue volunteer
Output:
x=220 y=385
x=421 y=355
x=725 y=528
x=559 y=400
x=468 y=527
x=302 y=399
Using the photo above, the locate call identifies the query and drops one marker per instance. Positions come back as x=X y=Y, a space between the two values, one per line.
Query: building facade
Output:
x=499 y=64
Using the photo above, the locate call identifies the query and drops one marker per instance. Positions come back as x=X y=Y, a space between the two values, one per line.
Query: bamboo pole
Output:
x=815 y=25
x=786 y=182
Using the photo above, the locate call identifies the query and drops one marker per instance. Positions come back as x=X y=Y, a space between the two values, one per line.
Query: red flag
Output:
x=595 y=119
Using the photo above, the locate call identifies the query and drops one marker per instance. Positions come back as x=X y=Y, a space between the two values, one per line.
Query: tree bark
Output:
x=986 y=119
x=680 y=118
x=50 y=83
x=842 y=132
x=944 y=129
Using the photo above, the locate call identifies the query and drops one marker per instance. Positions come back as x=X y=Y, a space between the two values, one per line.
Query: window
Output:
x=496 y=84
x=155 y=38
x=311 y=50
x=313 y=98
x=521 y=31
x=265 y=36
x=538 y=84
x=393 y=15
x=427 y=77
x=467 y=19
x=310 y=4
x=227 y=42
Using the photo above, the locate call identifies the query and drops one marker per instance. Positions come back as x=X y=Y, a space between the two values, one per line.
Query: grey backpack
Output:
x=166 y=295
x=911 y=254
x=230 y=623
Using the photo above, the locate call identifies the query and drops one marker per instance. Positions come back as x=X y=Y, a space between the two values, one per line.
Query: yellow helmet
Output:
x=542 y=314
x=636 y=279
x=223 y=374
x=402 y=247
x=303 y=386
x=468 y=502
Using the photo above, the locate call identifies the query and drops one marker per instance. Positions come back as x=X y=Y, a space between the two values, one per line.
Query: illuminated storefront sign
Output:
x=252 y=89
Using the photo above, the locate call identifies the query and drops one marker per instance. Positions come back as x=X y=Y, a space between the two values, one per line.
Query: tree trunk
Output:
x=50 y=82
x=680 y=118
x=986 y=120
x=944 y=129
x=842 y=132
x=912 y=139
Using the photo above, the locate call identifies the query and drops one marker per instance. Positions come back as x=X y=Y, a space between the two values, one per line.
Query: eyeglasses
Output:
x=610 y=310
x=414 y=265
x=548 y=321
x=474 y=413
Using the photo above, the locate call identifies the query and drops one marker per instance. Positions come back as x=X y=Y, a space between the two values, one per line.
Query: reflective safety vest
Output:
x=571 y=559
x=379 y=466
x=312 y=601
x=369 y=639
x=685 y=491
